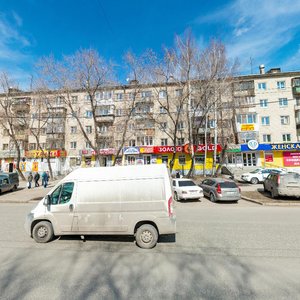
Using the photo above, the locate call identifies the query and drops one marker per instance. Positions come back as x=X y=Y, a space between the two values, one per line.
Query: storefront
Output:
x=285 y=155
x=36 y=161
x=164 y=154
x=8 y=160
x=88 y=157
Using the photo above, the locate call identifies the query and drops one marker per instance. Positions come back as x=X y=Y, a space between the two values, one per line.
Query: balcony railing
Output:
x=105 y=118
x=55 y=136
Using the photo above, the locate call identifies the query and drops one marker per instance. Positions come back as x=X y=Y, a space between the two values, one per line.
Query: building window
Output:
x=119 y=112
x=146 y=94
x=246 y=118
x=283 y=102
x=179 y=92
x=88 y=129
x=284 y=120
x=263 y=103
x=162 y=94
x=119 y=96
x=89 y=114
x=34 y=102
x=162 y=110
x=180 y=125
x=74 y=114
x=297 y=101
x=199 y=159
x=102 y=128
x=146 y=140
x=74 y=99
x=181 y=160
x=32 y=146
x=265 y=120
x=88 y=145
x=132 y=143
x=73 y=145
x=34 y=116
x=163 y=125
x=281 y=85
x=266 y=138
x=262 y=86
x=73 y=129
x=180 y=141
x=286 y=137
x=5 y=147
x=163 y=142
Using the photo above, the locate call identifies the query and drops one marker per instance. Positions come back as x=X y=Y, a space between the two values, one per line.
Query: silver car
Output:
x=218 y=189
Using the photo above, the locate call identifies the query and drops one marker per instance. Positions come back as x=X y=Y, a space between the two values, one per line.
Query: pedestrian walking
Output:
x=44 y=179
x=29 y=180
x=36 y=179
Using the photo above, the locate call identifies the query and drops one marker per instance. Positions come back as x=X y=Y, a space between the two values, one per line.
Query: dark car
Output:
x=9 y=181
x=287 y=184
x=218 y=189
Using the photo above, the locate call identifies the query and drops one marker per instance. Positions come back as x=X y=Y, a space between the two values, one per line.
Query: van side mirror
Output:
x=47 y=200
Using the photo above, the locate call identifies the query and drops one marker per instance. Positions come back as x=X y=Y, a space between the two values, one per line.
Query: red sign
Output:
x=107 y=151
x=291 y=159
x=197 y=149
x=44 y=153
x=269 y=157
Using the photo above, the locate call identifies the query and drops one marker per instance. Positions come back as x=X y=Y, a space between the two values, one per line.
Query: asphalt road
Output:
x=222 y=251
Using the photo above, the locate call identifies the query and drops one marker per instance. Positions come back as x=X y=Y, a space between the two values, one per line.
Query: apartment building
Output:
x=258 y=123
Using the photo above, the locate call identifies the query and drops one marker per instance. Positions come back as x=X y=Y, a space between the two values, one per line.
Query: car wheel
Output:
x=146 y=236
x=42 y=232
x=254 y=180
x=176 y=197
x=212 y=197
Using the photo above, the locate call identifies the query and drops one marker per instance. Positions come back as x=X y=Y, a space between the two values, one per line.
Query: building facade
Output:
x=257 y=123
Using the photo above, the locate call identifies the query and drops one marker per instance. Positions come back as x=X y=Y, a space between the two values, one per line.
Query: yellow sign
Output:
x=45 y=153
x=35 y=166
x=247 y=127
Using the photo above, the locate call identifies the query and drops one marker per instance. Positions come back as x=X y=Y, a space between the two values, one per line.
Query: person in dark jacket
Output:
x=36 y=179
x=29 y=180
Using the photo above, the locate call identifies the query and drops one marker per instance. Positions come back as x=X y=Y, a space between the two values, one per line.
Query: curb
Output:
x=270 y=204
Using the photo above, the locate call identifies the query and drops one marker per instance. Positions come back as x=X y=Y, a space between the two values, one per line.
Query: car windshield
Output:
x=186 y=183
x=255 y=171
x=228 y=184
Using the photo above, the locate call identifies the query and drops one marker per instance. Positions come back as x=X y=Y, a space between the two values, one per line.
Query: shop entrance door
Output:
x=147 y=159
x=131 y=160
x=249 y=159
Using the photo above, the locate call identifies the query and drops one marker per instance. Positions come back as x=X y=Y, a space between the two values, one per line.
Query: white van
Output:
x=127 y=200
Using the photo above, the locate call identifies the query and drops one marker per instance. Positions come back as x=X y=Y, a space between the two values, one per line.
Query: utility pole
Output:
x=215 y=138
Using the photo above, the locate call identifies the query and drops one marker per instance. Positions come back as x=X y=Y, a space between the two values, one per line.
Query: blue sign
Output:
x=270 y=147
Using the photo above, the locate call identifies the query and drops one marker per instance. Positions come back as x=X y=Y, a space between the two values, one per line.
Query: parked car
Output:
x=259 y=175
x=219 y=189
x=8 y=181
x=186 y=189
x=283 y=184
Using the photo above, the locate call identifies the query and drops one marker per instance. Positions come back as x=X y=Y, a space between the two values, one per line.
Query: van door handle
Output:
x=71 y=207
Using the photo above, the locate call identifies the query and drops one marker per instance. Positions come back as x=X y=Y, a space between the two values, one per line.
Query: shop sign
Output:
x=131 y=150
x=269 y=157
x=253 y=144
x=35 y=166
x=198 y=148
x=233 y=148
x=107 y=151
x=288 y=146
x=291 y=159
x=247 y=127
x=146 y=149
x=45 y=153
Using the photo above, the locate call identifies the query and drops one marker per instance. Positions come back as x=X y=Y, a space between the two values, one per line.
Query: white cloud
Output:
x=256 y=28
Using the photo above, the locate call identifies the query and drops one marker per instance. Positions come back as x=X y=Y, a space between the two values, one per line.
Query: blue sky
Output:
x=267 y=31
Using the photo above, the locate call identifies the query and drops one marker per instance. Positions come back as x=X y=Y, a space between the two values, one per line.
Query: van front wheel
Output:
x=146 y=236
x=42 y=232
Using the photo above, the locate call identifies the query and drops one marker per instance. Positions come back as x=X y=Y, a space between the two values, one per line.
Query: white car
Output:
x=259 y=175
x=186 y=189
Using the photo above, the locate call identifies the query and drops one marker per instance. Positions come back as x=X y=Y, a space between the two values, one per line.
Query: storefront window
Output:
x=164 y=159
x=182 y=159
x=199 y=159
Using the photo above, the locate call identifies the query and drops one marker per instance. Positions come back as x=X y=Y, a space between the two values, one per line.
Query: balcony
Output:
x=10 y=153
x=21 y=136
x=55 y=136
x=21 y=106
x=105 y=118
x=243 y=89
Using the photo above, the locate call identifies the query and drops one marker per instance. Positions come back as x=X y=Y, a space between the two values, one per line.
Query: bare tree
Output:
x=13 y=116
x=85 y=72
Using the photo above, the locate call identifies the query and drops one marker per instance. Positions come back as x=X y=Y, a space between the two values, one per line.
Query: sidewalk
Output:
x=255 y=193
x=25 y=195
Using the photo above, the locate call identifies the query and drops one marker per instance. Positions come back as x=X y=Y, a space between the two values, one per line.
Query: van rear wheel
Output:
x=42 y=232
x=146 y=236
